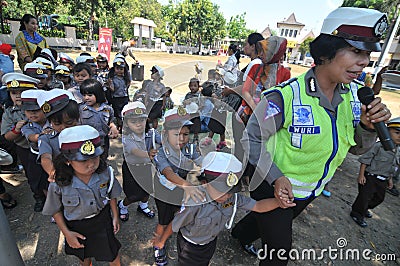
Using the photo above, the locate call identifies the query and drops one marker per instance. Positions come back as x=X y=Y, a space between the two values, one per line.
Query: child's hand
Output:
x=361 y=179
x=52 y=176
x=113 y=132
x=194 y=193
x=19 y=125
x=116 y=225
x=73 y=239
x=289 y=203
x=284 y=196
x=152 y=153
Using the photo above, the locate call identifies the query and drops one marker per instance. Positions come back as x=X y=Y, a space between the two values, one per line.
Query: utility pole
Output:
x=388 y=43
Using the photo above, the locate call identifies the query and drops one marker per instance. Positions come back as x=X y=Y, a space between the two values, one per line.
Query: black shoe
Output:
x=39 y=204
x=393 y=191
x=160 y=256
x=368 y=214
x=250 y=249
x=146 y=212
x=12 y=170
x=358 y=221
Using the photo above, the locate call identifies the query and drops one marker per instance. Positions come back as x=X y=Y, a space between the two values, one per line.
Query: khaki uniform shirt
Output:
x=11 y=116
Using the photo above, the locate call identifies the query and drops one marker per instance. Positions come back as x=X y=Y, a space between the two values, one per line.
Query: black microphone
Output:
x=366 y=96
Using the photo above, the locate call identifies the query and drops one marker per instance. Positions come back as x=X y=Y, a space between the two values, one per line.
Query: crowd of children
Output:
x=61 y=121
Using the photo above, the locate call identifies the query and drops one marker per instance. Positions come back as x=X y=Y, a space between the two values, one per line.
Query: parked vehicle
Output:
x=391 y=80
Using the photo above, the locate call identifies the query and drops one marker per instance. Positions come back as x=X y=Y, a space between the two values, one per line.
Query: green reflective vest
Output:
x=312 y=143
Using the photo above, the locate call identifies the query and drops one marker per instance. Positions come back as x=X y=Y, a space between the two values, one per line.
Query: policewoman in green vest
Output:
x=302 y=129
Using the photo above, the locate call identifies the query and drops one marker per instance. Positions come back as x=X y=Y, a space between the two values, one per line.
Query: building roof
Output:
x=266 y=32
x=144 y=22
x=291 y=20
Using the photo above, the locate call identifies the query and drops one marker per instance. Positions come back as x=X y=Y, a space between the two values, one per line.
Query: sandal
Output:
x=8 y=201
x=146 y=211
x=123 y=216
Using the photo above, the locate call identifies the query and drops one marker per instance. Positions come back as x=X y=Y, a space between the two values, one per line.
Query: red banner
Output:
x=105 y=41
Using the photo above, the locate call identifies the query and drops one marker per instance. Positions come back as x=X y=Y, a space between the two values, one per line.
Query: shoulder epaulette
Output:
x=287 y=82
x=358 y=82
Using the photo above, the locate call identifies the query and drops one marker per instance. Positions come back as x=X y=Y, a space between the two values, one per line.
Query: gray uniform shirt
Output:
x=256 y=134
x=201 y=224
x=10 y=118
x=32 y=128
x=133 y=141
x=181 y=162
x=79 y=200
x=379 y=161
x=100 y=119
x=48 y=143
x=120 y=89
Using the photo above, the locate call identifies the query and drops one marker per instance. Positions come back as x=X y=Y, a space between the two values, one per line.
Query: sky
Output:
x=261 y=13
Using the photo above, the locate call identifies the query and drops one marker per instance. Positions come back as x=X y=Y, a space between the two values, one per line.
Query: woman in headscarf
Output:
x=261 y=76
x=28 y=42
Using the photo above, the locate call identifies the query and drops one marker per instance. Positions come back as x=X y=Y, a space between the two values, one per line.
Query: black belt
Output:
x=380 y=177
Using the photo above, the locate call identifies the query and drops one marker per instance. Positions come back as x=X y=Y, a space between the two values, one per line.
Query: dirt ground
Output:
x=325 y=224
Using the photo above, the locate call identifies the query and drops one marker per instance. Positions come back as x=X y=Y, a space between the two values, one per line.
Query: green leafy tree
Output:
x=237 y=27
x=305 y=46
x=386 y=6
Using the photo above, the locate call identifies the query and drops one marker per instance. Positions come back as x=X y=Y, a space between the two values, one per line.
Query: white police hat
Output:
x=54 y=100
x=19 y=81
x=362 y=28
x=158 y=69
x=47 y=63
x=64 y=58
x=80 y=143
x=119 y=61
x=134 y=109
x=29 y=100
x=176 y=118
x=62 y=70
x=35 y=70
x=222 y=171
x=394 y=123
x=101 y=57
x=86 y=59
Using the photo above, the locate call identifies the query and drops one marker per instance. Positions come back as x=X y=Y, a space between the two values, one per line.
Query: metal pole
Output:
x=392 y=32
x=9 y=252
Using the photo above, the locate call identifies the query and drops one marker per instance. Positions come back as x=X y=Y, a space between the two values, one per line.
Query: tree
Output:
x=237 y=27
x=385 y=6
x=305 y=46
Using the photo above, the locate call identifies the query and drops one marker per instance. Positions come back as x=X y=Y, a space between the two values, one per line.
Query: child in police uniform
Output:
x=198 y=225
x=377 y=169
x=174 y=161
x=83 y=199
x=37 y=71
x=81 y=72
x=13 y=121
x=62 y=111
x=97 y=113
x=137 y=167
x=63 y=74
x=31 y=131
x=119 y=85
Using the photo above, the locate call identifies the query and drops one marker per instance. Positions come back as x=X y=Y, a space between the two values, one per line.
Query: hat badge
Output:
x=138 y=111
x=87 y=148
x=381 y=26
x=14 y=83
x=46 y=107
x=39 y=71
x=232 y=179
x=181 y=111
x=61 y=71
x=118 y=63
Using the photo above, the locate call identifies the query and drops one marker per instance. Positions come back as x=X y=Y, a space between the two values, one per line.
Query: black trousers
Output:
x=370 y=195
x=194 y=255
x=37 y=177
x=274 y=227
